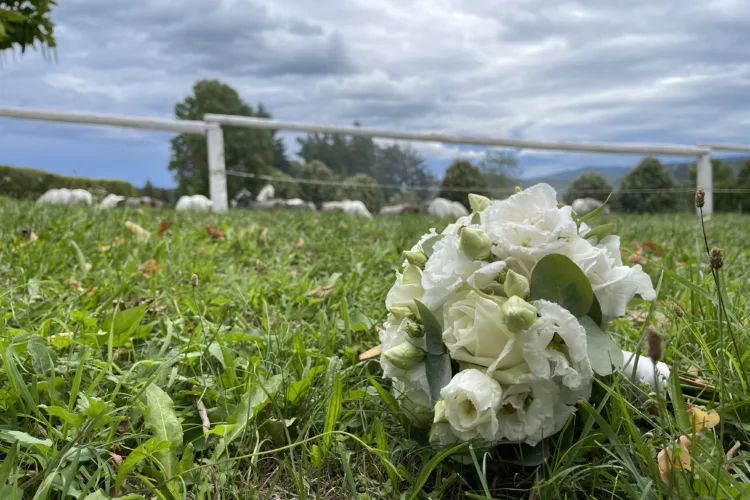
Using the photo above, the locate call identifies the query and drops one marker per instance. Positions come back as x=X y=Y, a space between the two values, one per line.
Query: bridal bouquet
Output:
x=495 y=325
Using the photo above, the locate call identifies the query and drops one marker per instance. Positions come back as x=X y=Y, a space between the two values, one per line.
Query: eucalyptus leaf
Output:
x=603 y=353
x=432 y=329
x=42 y=356
x=595 y=313
x=595 y=213
x=601 y=231
x=438 y=371
x=558 y=279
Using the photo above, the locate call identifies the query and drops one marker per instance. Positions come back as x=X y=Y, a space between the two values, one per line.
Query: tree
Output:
x=245 y=150
x=317 y=193
x=364 y=188
x=500 y=168
x=721 y=172
x=588 y=185
x=280 y=160
x=286 y=187
x=464 y=175
x=404 y=197
x=26 y=23
x=743 y=178
x=646 y=188
x=401 y=165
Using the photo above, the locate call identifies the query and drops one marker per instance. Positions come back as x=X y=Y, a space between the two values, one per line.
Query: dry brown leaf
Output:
x=117 y=459
x=203 y=413
x=88 y=266
x=371 y=353
x=141 y=233
x=636 y=259
x=701 y=419
x=731 y=454
x=157 y=310
x=74 y=285
x=260 y=267
x=300 y=242
x=668 y=462
x=92 y=290
x=116 y=243
x=214 y=232
x=294 y=273
x=163 y=226
x=264 y=235
x=321 y=291
x=679 y=264
x=657 y=318
x=693 y=370
x=653 y=247
x=202 y=250
x=343 y=225
x=149 y=268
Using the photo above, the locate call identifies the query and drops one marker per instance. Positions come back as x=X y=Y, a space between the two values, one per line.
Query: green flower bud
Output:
x=412 y=275
x=475 y=243
x=401 y=312
x=416 y=257
x=477 y=202
x=440 y=412
x=413 y=329
x=517 y=189
x=405 y=355
x=516 y=285
x=517 y=314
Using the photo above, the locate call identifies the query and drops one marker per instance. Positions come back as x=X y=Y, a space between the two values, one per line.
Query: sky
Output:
x=630 y=71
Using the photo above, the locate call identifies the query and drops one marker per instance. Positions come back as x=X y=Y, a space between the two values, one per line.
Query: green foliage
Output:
x=27 y=23
x=277 y=366
x=722 y=176
x=404 y=197
x=588 y=185
x=364 y=188
x=30 y=183
x=317 y=193
x=462 y=174
x=500 y=169
x=168 y=195
x=245 y=150
x=558 y=279
x=287 y=188
x=650 y=183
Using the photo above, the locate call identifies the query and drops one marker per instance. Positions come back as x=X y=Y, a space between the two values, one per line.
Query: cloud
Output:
x=638 y=71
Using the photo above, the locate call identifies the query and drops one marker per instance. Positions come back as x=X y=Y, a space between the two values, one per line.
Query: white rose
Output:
x=446 y=271
x=472 y=400
x=475 y=334
x=555 y=348
x=408 y=287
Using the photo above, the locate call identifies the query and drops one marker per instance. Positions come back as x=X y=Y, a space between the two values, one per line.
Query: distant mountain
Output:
x=680 y=171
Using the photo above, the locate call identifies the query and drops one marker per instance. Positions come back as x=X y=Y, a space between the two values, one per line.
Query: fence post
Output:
x=705 y=181
x=217 y=173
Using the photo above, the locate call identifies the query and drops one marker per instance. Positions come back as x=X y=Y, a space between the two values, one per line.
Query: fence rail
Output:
x=211 y=128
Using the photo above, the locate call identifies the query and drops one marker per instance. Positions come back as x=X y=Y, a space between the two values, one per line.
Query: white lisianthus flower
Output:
x=613 y=283
x=408 y=287
x=446 y=271
x=472 y=400
x=555 y=348
x=529 y=225
x=531 y=412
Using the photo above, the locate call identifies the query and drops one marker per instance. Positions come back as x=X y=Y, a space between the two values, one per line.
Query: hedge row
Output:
x=30 y=183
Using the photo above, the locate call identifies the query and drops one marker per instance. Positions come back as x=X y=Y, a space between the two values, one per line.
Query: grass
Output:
x=123 y=375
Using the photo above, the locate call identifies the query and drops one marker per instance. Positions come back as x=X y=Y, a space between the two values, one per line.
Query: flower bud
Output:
x=405 y=355
x=516 y=285
x=715 y=258
x=475 y=243
x=416 y=257
x=412 y=276
x=401 y=312
x=517 y=314
x=654 y=343
x=440 y=412
x=517 y=189
x=477 y=202
x=413 y=329
x=700 y=198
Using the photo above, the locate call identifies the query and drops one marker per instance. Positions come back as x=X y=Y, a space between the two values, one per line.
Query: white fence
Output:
x=211 y=129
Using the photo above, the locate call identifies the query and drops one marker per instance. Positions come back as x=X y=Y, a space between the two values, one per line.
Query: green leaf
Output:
x=558 y=279
x=188 y=458
x=161 y=421
x=145 y=450
x=678 y=403
x=386 y=396
x=42 y=356
x=433 y=331
x=602 y=350
x=595 y=313
x=595 y=213
x=254 y=399
x=297 y=389
x=8 y=464
x=79 y=255
x=123 y=323
x=332 y=414
x=424 y=474
x=26 y=439
x=601 y=231
x=66 y=416
x=97 y=495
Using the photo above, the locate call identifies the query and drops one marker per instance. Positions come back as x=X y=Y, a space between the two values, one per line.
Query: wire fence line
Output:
x=474 y=189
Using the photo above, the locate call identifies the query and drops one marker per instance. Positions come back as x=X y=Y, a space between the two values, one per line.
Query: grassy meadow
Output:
x=125 y=376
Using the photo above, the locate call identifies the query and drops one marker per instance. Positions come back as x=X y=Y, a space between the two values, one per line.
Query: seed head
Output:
x=194 y=280
x=700 y=198
x=715 y=258
x=678 y=311
x=654 y=343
